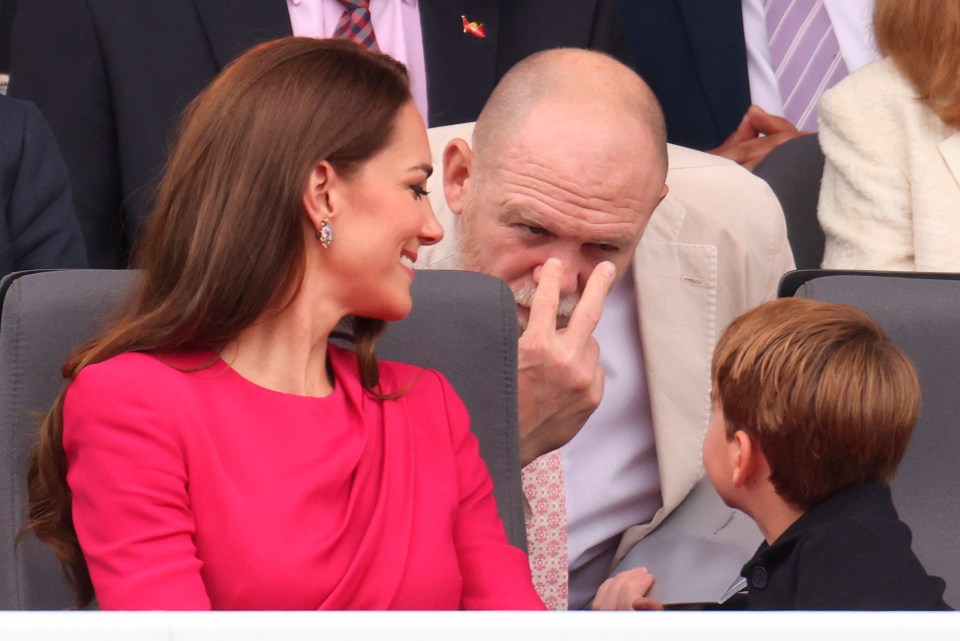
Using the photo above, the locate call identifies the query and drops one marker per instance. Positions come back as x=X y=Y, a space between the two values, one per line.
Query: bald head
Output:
x=568 y=161
x=586 y=85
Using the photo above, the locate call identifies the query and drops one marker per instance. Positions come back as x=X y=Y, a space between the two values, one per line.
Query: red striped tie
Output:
x=355 y=24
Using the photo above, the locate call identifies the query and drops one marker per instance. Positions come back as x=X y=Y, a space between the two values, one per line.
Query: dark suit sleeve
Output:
x=40 y=221
x=56 y=63
x=693 y=56
x=607 y=34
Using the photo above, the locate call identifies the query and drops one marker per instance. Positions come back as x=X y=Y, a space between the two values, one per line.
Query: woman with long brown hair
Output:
x=890 y=197
x=211 y=449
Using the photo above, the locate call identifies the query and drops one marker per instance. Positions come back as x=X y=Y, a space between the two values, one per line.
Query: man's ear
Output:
x=663 y=194
x=319 y=198
x=457 y=169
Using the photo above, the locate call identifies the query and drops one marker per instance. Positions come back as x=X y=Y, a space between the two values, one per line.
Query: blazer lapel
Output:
x=950 y=151
x=461 y=67
x=676 y=301
x=233 y=27
x=716 y=39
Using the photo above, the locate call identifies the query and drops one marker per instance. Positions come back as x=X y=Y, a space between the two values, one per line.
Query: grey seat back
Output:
x=921 y=313
x=463 y=324
x=793 y=170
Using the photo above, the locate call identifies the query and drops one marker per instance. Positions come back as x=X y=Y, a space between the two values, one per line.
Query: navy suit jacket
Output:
x=113 y=76
x=7 y=10
x=39 y=228
x=692 y=54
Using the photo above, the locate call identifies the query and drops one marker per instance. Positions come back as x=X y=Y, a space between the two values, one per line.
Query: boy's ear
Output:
x=748 y=462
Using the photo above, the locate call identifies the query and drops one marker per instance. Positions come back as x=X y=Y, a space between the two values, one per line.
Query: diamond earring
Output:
x=325 y=233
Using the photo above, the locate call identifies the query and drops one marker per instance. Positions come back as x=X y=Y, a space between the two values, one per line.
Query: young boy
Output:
x=813 y=410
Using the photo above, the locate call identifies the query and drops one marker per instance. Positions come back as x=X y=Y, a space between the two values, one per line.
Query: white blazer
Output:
x=890 y=197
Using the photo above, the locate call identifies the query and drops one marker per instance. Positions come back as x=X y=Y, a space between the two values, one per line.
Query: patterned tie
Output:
x=547 y=529
x=355 y=24
x=805 y=56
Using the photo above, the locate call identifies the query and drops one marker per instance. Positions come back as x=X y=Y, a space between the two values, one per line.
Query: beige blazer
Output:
x=715 y=247
x=890 y=197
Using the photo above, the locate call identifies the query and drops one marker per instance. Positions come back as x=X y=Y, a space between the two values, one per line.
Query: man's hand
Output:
x=625 y=591
x=747 y=147
x=560 y=378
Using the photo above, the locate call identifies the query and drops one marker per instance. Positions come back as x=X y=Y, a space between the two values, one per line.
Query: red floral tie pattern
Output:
x=547 y=528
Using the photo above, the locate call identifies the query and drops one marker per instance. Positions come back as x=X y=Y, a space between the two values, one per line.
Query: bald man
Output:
x=564 y=194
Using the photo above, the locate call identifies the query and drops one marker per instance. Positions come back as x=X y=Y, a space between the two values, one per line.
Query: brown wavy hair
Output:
x=823 y=391
x=224 y=244
x=923 y=39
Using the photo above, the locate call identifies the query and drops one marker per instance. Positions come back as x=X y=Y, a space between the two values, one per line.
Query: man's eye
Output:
x=419 y=191
x=606 y=248
x=536 y=231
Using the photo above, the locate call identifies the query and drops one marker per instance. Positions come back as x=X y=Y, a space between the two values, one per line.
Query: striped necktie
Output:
x=355 y=24
x=804 y=54
x=547 y=529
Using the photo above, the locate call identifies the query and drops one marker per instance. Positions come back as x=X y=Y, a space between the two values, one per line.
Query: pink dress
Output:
x=199 y=489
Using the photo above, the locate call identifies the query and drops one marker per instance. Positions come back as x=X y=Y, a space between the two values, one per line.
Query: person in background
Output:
x=8 y=9
x=740 y=77
x=211 y=449
x=112 y=78
x=890 y=133
x=39 y=229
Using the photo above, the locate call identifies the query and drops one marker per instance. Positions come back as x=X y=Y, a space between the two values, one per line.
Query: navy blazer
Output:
x=693 y=55
x=113 y=76
x=7 y=10
x=39 y=229
x=851 y=551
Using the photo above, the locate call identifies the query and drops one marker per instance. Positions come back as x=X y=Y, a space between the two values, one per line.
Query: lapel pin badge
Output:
x=473 y=28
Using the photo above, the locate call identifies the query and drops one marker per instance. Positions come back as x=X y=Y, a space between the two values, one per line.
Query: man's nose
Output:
x=571 y=279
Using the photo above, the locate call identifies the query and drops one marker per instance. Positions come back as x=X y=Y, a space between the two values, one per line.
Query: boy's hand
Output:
x=625 y=591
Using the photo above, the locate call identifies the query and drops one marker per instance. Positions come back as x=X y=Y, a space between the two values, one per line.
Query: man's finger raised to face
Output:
x=546 y=300
x=586 y=315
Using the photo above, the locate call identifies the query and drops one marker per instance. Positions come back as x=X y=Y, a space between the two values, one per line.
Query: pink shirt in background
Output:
x=396 y=24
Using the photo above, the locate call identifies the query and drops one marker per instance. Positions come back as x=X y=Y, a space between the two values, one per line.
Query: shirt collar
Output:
x=409 y=3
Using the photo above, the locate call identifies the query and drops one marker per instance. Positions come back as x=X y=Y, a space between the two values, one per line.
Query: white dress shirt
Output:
x=396 y=24
x=611 y=478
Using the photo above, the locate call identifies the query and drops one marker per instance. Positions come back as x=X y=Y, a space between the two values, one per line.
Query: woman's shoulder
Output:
x=416 y=380
x=877 y=81
x=158 y=374
x=394 y=375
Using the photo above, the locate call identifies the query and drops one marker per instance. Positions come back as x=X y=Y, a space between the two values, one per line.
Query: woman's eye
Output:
x=419 y=191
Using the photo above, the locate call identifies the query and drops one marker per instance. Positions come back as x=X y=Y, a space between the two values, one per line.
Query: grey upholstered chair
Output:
x=793 y=170
x=463 y=324
x=921 y=313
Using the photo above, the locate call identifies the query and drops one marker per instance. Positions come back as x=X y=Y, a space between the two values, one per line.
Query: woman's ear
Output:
x=457 y=169
x=317 y=200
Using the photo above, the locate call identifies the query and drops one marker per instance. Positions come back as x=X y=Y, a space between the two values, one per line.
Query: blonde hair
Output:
x=923 y=39
x=823 y=391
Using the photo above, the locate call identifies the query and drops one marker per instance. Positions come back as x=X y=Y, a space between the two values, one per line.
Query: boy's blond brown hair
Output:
x=822 y=390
